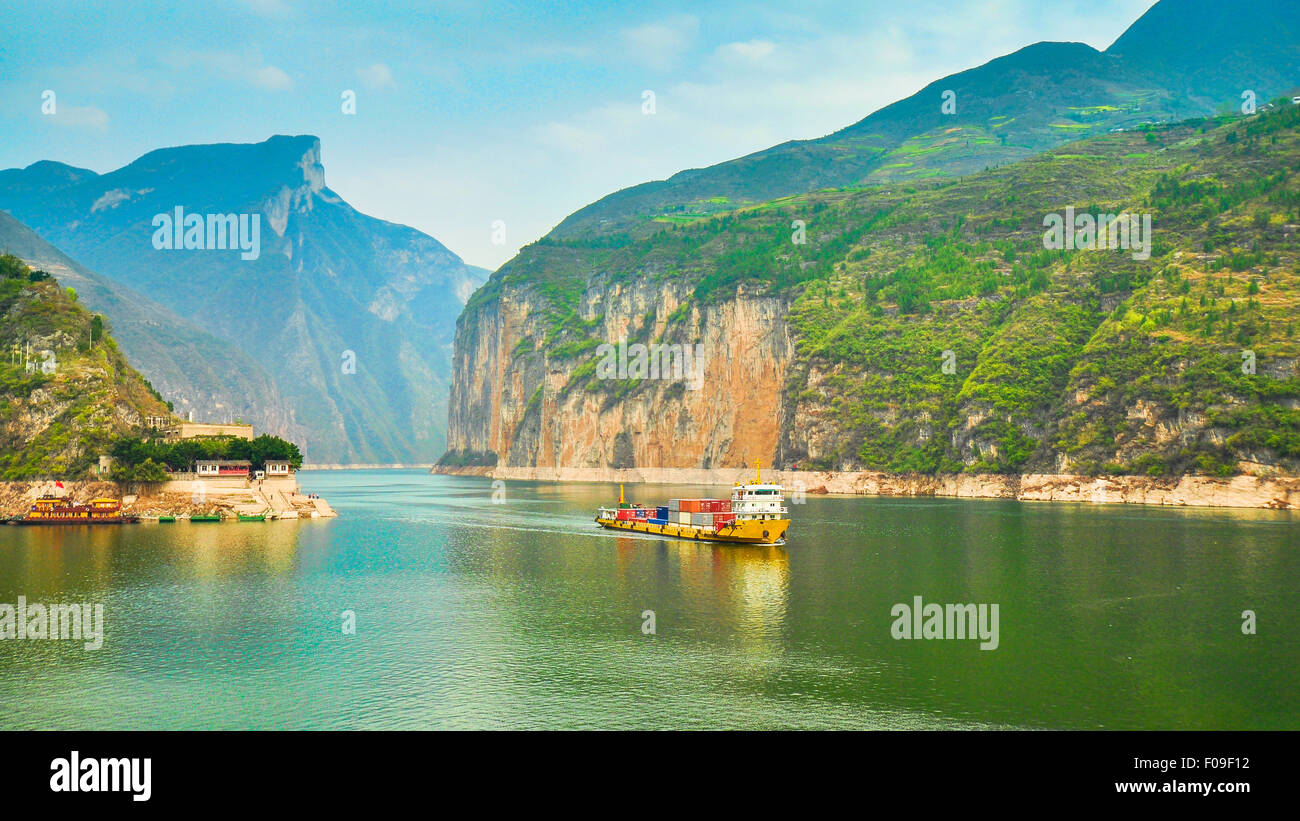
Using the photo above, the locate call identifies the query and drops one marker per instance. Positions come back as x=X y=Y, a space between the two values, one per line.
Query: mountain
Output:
x=193 y=369
x=66 y=391
x=922 y=325
x=924 y=331
x=350 y=318
x=1181 y=59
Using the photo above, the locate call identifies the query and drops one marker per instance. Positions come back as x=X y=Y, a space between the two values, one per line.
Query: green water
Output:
x=474 y=614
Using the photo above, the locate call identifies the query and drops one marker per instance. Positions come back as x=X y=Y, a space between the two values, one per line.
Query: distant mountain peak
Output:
x=1186 y=25
x=1213 y=50
x=294 y=161
x=45 y=175
x=55 y=168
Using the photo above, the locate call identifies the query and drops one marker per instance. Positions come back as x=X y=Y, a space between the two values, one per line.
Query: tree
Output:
x=150 y=471
x=131 y=452
x=11 y=267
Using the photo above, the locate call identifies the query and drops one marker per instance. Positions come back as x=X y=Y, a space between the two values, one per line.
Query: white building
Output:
x=222 y=467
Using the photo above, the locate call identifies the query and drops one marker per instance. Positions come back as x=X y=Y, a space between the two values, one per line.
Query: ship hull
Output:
x=758 y=532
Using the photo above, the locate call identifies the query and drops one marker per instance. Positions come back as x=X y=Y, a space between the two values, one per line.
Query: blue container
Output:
x=658 y=521
x=661 y=512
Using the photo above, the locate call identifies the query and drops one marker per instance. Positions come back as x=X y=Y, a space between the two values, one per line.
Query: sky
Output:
x=473 y=116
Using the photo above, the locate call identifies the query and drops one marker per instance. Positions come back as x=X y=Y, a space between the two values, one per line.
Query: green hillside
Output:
x=1180 y=59
x=1073 y=361
x=66 y=391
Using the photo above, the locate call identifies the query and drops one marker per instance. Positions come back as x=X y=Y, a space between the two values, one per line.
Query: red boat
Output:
x=55 y=510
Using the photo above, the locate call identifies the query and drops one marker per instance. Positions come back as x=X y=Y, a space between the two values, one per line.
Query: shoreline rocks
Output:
x=228 y=497
x=1241 y=491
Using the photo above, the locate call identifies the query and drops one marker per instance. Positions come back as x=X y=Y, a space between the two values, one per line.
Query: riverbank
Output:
x=229 y=497
x=1275 y=493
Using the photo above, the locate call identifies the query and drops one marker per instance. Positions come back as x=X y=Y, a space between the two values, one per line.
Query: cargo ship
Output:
x=56 y=510
x=753 y=515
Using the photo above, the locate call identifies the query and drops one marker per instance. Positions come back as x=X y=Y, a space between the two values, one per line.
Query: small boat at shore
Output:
x=57 y=510
x=249 y=517
x=753 y=515
x=204 y=517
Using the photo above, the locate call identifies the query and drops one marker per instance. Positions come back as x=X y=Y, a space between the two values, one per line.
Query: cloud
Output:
x=88 y=117
x=751 y=51
x=270 y=78
x=660 y=45
x=235 y=68
x=376 y=77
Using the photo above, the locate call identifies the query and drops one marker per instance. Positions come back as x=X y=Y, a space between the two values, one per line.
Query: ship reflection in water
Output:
x=746 y=586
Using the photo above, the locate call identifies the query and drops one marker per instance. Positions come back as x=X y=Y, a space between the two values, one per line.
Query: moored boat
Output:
x=753 y=515
x=57 y=510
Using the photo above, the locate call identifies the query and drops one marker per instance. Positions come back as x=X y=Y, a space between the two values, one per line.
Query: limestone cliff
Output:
x=514 y=397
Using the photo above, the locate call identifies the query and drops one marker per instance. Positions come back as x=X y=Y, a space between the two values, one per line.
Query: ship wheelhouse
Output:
x=757 y=501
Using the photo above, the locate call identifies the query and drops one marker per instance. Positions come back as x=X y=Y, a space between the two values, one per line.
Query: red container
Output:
x=723 y=519
x=720 y=505
x=633 y=513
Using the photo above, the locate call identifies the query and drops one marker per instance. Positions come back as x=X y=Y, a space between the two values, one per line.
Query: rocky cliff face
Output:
x=514 y=397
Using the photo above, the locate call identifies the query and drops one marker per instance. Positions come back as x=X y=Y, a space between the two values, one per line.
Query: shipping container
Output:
x=674 y=505
x=662 y=521
x=633 y=513
x=661 y=512
x=683 y=518
x=721 y=519
x=702 y=519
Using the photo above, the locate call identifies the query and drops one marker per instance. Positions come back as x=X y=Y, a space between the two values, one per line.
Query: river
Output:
x=477 y=606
